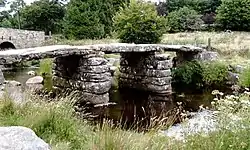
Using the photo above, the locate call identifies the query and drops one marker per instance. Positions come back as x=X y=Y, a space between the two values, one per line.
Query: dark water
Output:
x=133 y=107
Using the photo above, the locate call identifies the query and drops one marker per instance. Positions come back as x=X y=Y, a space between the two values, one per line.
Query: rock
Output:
x=12 y=83
x=233 y=78
x=94 y=61
x=1 y=77
x=31 y=73
x=202 y=122
x=20 y=138
x=239 y=68
x=91 y=87
x=94 y=69
x=207 y=56
x=112 y=70
x=113 y=61
x=35 y=80
x=92 y=98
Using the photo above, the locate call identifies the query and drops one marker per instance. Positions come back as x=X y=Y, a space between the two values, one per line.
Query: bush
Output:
x=197 y=74
x=244 y=79
x=184 y=19
x=188 y=75
x=234 y=15
x=214 y=74
x=138 y=23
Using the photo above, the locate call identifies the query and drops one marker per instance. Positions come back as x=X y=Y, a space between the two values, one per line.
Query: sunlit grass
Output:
x=57 y=124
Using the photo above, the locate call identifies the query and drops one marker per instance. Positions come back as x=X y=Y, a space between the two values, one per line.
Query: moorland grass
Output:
x=57 y=124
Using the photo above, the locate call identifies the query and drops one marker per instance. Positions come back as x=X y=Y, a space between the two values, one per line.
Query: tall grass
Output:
x=45 y=67
x=57 y=124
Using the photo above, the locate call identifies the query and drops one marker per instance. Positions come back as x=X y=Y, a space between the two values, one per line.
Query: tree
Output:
x=46 y=15
x=15 y=7
x=90 y=18
x=82 y=20
x=138 y=23
x=201 y=6
x=184 y=19
x=234 y=15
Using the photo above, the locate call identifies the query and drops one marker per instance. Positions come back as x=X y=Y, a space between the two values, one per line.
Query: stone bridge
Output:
x=84 y=69
x=17 y=39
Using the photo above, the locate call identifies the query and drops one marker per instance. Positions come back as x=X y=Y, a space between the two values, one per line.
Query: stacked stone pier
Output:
x=84 y=71
x=146 y=71
x=88 y=77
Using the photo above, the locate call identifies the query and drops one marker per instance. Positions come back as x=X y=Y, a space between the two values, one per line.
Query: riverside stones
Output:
x=20 y=138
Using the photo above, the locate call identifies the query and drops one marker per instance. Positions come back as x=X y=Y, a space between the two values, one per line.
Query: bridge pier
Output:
x=88 y=77
x=148 y=72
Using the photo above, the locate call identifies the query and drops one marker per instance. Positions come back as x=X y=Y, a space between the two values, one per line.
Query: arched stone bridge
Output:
x=16 y=39
x=85 y=70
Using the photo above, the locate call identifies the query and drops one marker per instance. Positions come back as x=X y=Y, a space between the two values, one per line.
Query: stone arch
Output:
x=7 y=45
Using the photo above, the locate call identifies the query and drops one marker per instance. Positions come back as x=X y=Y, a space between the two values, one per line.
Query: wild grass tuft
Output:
x=244 y=78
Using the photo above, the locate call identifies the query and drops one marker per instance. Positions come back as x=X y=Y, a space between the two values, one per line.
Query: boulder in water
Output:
x=20 y=138
x=35 y=80
x=12 y=83
x=31 y=73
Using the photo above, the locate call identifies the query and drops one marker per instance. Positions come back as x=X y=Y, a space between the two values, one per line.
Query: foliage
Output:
x=45 y=15
x=90 y=19
x=201 y=6
x=188 y=75
x=45 y=67
x=214 y=73
x=244 y=79
x=234 y=15
x=196 y=74
x=138 y=23
x=184 y=19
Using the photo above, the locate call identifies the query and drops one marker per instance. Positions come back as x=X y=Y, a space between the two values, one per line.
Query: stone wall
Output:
x=147 y=72
x=22 y=38
x=88 y=77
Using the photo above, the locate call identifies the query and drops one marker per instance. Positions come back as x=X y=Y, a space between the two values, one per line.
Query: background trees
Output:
x=234 y=15
x=43 y=15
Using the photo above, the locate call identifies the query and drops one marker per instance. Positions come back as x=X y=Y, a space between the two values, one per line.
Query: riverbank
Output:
x=57 y=124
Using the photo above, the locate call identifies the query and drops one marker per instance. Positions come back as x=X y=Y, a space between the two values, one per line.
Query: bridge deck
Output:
x=17 y=55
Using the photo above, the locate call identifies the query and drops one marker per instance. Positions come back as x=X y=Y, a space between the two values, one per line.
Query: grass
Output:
x=234 y=47
x=57 y=124
x=45 y=67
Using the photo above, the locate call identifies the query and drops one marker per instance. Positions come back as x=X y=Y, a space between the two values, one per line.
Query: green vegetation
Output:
x=244 y=79
x=214 y=74
x=138 y=23
x=201 y=6
x=89 y=19
x=197 y=74
x=56 y=123
x=45 y=67
x=188 y=75
x=183 y=19
x=234 y=15
x=45 y=70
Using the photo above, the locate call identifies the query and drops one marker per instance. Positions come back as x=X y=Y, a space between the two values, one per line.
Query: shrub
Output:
x=188 y=75
x=184 y=19
x=234 y=15
x=197 y=74
x=244 y=79
x=138 y=23
x=214 y=74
